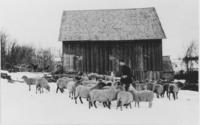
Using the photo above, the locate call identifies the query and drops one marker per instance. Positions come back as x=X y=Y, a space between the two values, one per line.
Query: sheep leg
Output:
x=130 y=105
x=174 y=95
x=109 y=104
x=121 y=107
x=75 y=98
x=162 y=94
x=95 y=104
x=150 y=104
x=70 y=95
x=138 y=104
x=80 y=100
x=36 y=89
x=62 y=90
x=73 y=94
x=169 y=96
x=57 y=89
x=104 y=105
x=90 y=104
x=118 y=104
x=157 y=95
x=29 y=87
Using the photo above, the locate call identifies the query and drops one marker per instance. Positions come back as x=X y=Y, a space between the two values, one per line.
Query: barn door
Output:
x=77 y=63
x=68 y=62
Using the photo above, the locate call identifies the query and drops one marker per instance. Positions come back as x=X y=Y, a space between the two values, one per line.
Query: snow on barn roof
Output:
x=111 y=24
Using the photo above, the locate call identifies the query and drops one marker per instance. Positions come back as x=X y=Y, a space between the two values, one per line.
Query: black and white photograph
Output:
x=99 y=62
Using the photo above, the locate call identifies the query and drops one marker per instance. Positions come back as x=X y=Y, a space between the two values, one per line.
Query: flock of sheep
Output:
x=106 y=89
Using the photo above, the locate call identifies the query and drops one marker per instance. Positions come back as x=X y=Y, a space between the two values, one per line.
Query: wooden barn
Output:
x=95 y=40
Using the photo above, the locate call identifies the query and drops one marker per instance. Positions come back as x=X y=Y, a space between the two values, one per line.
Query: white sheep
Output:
x=42 y=83
x=82 y=91
x=86 y=82
x=158 y=89
x=173 y=88
x=62 y=83
x=142 y=96
x=104 y=95
x=71 y=86
x=124 y=98
x=29 y=81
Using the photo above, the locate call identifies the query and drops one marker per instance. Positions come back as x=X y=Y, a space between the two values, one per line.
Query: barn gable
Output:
x=112 y=24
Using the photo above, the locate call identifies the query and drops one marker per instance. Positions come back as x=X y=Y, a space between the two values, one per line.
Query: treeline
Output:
x=24 y=57
x=189 y=76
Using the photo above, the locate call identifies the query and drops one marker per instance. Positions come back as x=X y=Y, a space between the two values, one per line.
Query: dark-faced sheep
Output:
x=104 y=95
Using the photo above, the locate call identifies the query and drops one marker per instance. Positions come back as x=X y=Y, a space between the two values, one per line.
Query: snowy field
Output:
x=21 y=107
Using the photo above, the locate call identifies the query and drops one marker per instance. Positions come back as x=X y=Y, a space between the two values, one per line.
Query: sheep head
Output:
x=24 y=77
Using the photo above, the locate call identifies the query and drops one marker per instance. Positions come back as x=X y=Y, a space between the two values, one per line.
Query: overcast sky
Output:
x=37 y=22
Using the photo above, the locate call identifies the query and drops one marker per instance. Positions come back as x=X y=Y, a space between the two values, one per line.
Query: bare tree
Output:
x=191 y=56
x=4 y=42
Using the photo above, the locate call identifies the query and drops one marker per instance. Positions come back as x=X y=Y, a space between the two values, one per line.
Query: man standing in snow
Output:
x=126 y=75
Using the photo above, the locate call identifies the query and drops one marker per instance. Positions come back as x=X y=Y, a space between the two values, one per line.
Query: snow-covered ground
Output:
x=23 y=107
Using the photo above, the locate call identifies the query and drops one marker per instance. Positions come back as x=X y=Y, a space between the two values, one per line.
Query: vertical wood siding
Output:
x=143 y=56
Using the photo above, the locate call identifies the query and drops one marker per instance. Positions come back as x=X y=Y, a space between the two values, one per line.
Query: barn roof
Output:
x=111 y=24
x=167 y=64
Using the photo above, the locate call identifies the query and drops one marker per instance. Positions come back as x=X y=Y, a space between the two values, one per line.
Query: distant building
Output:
x=95 y=41
x=168 y=72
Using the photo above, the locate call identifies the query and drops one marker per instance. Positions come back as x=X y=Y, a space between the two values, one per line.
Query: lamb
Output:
x=62 y=83
x=105 y=96
x=29 y=81
x=124 y=98
x=42 y=83
x=142 y=96
x=158 y=90
x=71 y=86
x=173 y=88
